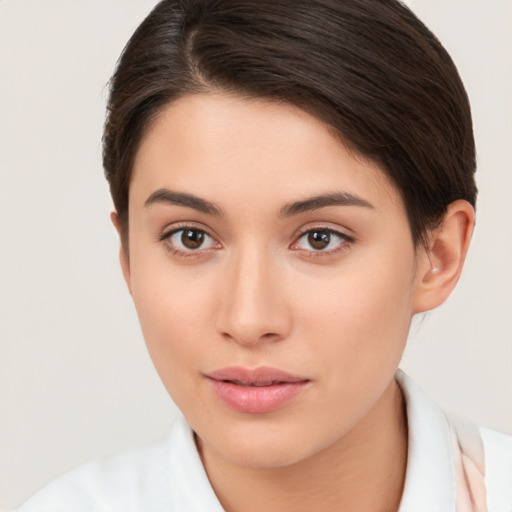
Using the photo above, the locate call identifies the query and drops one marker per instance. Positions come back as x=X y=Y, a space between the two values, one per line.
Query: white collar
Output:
x=430 y=484
x=190 y=488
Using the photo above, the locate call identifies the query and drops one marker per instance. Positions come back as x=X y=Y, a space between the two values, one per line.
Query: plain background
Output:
x=75 y=378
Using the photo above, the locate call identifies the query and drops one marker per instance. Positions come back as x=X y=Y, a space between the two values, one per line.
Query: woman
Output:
x=293 y=182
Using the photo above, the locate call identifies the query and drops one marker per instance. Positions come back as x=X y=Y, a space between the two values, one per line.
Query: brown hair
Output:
x=368 y=68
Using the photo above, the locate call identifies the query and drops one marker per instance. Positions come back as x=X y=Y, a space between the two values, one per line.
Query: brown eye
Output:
x=188 y=240
x=319 y=239
x=322 y=241
x=192 y=238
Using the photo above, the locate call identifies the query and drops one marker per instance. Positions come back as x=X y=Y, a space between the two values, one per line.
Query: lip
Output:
x=256 y=391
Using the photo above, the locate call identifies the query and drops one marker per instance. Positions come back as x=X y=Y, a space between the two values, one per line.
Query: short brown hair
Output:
x=368 y=68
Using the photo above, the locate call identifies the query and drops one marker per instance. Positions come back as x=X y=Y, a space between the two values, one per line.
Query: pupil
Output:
x=192 y=239
x=319 y=239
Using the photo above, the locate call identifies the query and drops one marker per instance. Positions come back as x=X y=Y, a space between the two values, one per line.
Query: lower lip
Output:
x=254 y=399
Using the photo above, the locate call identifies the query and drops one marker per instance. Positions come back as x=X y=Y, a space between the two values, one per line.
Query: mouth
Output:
x=255 y=384
x=256 y=391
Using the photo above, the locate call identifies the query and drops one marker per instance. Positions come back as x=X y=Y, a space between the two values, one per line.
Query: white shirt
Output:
x=167 y=475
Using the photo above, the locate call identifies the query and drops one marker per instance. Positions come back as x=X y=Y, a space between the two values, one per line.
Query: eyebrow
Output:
x=166 y=196
x=323 y=201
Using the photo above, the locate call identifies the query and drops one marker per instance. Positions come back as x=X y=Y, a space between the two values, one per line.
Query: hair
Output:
x=367 y=68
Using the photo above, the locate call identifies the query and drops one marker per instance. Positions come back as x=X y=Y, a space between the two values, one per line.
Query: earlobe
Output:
x=123 y=255
x=440 y=265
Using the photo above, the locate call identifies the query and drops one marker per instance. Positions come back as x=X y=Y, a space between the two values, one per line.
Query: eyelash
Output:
x=166 y=237
x=345 y=241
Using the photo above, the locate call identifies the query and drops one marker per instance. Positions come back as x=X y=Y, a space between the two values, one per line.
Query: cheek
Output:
x=354 y=327
x=174 y=309
x=359 y=317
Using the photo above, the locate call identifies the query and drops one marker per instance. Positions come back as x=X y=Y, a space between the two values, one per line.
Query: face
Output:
x=273 y=272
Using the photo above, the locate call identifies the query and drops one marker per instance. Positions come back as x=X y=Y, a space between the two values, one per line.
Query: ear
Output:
x=123 y=254
x=440 y=264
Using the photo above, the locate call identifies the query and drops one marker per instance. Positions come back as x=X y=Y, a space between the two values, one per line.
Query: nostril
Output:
x=269 y=336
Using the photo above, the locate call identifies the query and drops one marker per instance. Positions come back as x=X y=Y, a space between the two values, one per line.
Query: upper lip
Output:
x=259 y=375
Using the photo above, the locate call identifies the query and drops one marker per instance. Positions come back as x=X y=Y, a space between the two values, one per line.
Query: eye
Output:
x=322 y=240
x=188 y=239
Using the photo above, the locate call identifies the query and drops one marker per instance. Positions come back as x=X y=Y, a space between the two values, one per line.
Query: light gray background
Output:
x=75 y=379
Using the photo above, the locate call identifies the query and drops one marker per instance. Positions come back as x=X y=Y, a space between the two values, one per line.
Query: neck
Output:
x=364 y=470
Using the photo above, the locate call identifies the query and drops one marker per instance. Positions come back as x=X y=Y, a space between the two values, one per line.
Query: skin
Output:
x=257 y=293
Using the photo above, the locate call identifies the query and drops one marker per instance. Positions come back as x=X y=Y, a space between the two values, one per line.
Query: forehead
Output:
x=234 y=149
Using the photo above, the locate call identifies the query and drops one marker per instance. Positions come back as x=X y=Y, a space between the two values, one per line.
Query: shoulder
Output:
x=165 y=475
x=126 y=480
x=448 y=453
x=498 y=468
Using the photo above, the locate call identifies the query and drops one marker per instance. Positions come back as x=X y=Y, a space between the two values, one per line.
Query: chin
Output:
x=262 y=445
x=262 y=455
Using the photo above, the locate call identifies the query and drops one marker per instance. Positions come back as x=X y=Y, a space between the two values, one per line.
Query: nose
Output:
x=253 y=307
